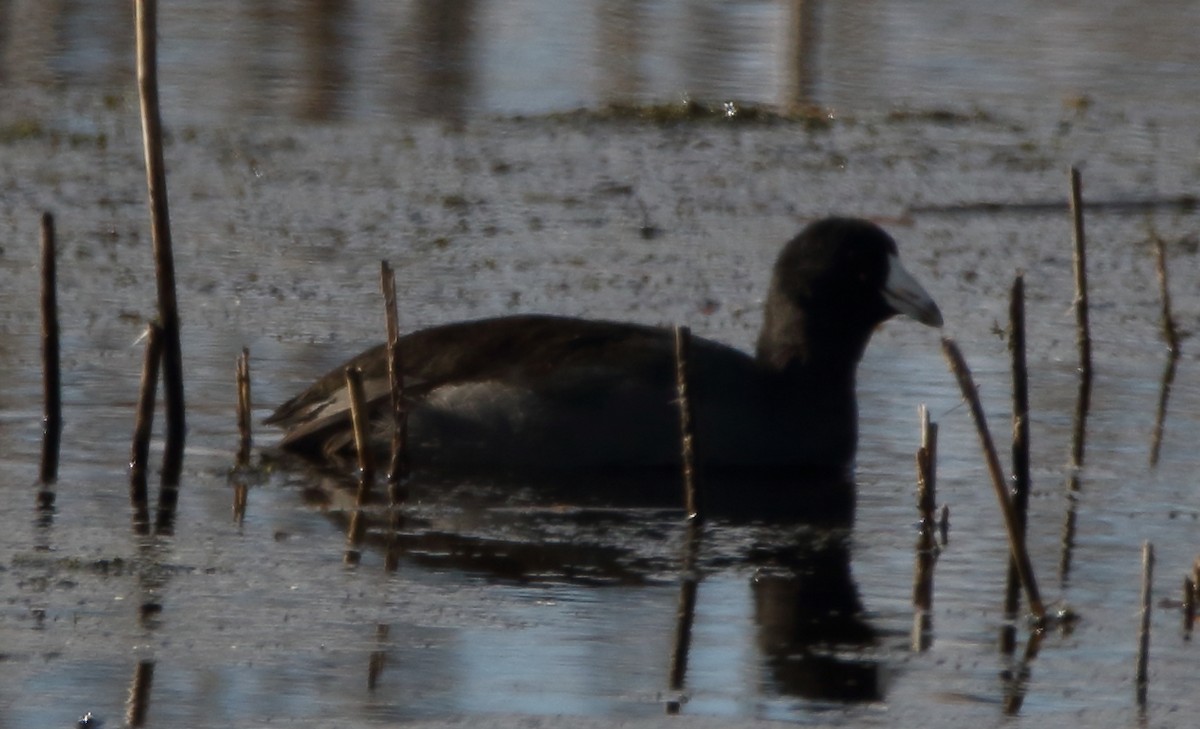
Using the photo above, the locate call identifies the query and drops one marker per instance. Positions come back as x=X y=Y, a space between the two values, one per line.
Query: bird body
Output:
x=544 y=393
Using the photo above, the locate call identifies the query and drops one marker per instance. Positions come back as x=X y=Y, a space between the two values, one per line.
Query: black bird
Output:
x=549 y=394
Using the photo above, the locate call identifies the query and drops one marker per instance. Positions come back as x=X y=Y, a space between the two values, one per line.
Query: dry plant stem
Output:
x=1083 y=335
x=140 y=453
x=139 y=694
x=160 y=225
x=243 y=407
x=398 y=468
x=1196 y=576
x=1160 y=413
x=1016 y=538
x=1143 y=654
x=360 y=421
x=51 y=371
x=926 y=508
x=366 y=466
x=1083 y=402
x=1189 y=606
x=1020 y=425
x=927 y=470
x=926 y=498
x=687 y=420
x=1069 y=526
x=926 y=548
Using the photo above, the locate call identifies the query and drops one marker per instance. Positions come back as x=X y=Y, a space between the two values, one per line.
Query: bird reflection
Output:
x=810 y=629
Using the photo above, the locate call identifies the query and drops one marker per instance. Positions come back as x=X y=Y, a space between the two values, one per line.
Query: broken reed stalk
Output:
x=398 y=469
x=1083 y=334
x=1196 y=577
x=240 y=491
x=1016 y=537
x=687 y=421
x=160 y=226
x=139 y=694
x=52 y=421
x=243 y=407
x=1020 y=425
x=1189 y=607
x=140 y=454
x=927 y=471
x=926 y=548
x=1141 y=678
x=1069 y=526
x=1191 y=596
x=366 y=465
x=1160 y=413
x=360 y=421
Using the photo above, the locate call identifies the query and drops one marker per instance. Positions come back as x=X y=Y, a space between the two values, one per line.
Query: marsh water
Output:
x=308 y=142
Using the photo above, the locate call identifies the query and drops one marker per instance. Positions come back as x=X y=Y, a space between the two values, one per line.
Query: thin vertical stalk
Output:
x=1189 y=606
x=359 y=419
x=926 y=547
x=398 y=469
x=52 y=421
x=1020 y=424
x=927 y=472
x=687 y=420
x=366 y=464
x=1083 y=326
x=146 y=14
x=244 y=406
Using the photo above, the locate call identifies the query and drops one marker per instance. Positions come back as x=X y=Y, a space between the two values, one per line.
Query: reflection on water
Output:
x=321 y=60
x=810 y=628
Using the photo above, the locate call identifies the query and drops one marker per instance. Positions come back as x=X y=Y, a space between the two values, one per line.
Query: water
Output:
x=291 y=177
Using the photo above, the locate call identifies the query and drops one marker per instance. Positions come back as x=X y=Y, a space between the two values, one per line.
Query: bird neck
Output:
x=792 y=343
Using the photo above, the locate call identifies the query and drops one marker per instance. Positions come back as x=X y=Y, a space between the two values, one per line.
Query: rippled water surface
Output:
x=310 y=141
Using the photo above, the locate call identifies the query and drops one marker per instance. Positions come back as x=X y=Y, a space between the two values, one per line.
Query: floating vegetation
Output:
x=812 y=117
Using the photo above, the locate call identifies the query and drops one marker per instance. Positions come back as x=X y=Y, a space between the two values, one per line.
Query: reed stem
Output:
x=146 y=14
x=687 y=420
x=52 y=421
x=399 y=467
x=1083 y=327
x=244 y=407
x=1016 y=537
x=1020 y=425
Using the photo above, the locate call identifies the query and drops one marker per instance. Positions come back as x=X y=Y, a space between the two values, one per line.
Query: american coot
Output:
x=535 y=394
